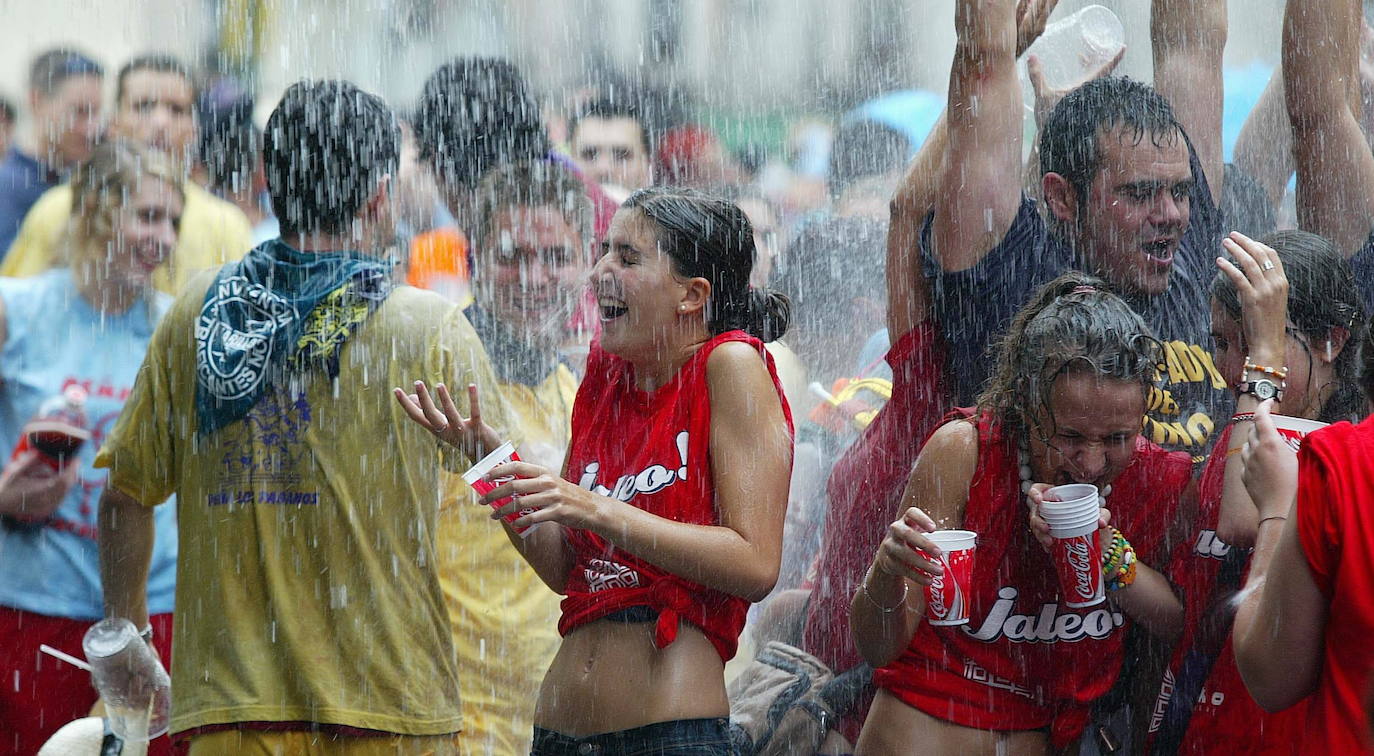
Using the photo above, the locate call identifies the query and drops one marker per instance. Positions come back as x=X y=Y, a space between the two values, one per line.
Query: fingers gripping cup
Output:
x=947 y=594
x=1072 y=512
x=131 y=681
x=1295 y=429
x=475 y=477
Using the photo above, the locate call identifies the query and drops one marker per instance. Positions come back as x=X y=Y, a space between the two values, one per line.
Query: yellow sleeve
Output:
x=141 y=450
x=212 y=233
x=34 y=248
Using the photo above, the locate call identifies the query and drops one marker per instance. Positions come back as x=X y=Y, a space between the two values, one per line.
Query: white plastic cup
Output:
x=135 y=688
x=1295 y=429
x=475 y=474
x=1072 y=47
x=947 y=594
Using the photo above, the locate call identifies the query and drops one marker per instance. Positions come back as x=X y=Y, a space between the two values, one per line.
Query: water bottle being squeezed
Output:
x=1073 y=48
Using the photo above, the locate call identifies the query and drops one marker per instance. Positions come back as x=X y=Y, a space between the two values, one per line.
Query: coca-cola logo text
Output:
x=1079 y=555
x=938 y=608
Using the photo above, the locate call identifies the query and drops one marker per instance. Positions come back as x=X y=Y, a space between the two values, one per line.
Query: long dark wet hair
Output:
x=711 y=238
x=1321 y=295
x=1072 y=324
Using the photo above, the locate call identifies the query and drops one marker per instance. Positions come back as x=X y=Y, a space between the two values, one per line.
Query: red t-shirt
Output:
x=1335 y=512
x=1223 y=717
x=1025 y=661
x=653 y=451
x=864 y=492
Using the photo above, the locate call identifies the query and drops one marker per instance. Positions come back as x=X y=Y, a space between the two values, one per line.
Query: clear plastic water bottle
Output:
x=1073 y=47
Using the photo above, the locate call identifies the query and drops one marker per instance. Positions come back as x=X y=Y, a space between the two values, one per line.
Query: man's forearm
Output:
x=126 y=551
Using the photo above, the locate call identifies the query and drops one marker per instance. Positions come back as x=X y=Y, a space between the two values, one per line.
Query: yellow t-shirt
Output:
x=307 y=587
x=212 y=232
x=505 y=620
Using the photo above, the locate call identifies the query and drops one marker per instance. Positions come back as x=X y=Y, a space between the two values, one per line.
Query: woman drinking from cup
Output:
x=666 y=521
x=1286 y=316
x=1064 y=406
x=84 y=327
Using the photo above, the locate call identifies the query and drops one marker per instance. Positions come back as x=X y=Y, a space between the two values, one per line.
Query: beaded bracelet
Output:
x=1280 y=373
x=1241 y=417
x=1118 y=563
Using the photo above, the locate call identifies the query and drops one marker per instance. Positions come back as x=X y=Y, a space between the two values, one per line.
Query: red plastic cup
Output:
x=1295 y=429
x=476 y=477
x=947 y=594
x=1077 y=556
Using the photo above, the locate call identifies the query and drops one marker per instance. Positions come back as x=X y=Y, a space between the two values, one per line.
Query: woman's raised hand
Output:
x=900 y=554
x=470 y=435
x=1257 y=273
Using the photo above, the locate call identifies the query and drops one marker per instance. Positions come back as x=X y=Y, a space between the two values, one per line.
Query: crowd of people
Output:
x=721 y=420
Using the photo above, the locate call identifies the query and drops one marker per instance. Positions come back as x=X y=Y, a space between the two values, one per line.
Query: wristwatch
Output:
x=1261 y=389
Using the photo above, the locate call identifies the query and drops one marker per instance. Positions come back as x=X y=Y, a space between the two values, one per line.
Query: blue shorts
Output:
x=698 y=737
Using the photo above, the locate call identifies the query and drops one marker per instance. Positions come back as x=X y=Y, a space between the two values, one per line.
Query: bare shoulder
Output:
x=955 y=439
x=735 y=361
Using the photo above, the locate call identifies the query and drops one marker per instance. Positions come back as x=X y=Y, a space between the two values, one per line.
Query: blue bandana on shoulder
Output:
x=254 y=315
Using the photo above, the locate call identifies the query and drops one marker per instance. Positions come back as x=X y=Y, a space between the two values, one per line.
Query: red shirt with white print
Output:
x=651 y=450
x=1026 y=661
x=1219 y=716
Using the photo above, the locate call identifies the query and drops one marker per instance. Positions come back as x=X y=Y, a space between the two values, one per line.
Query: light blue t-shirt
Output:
x=55 y=338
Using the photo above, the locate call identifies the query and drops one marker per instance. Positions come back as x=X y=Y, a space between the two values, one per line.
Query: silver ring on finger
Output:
x=1267 y=266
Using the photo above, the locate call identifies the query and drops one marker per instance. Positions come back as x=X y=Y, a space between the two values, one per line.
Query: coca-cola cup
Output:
x=947 y=594
x=1295 y=429
x=476 y=477
x=1072 y=512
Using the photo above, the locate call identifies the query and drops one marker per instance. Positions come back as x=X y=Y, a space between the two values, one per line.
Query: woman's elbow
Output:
x=1271 y=681
x=758 y=585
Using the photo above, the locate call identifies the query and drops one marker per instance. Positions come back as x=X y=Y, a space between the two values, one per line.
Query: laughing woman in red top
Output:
x=667 y=520
x=1064 y=405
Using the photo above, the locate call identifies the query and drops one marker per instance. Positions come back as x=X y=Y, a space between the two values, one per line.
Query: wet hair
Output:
x=711 y=238
x=474 y=114
x=55 y=66
x=230 y=144
x=103 y=183
x=531 y=183
x=1070 y=142
x=1073 y=324
x=865 y=148
x=159 y=62
x=326 y=146
x=608 y=109
x=1321 y=295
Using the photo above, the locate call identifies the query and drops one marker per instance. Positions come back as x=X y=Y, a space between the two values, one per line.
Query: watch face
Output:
x=1264 y=390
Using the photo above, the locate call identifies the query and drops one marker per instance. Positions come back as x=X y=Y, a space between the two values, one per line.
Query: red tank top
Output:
x=653 y=451
x=1025 y=661
x=1203 y=706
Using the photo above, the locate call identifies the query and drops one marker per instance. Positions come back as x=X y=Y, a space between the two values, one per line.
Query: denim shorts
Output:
x=698 y=737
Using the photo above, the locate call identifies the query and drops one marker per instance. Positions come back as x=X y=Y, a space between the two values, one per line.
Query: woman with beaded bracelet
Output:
x=1074 y=374
x=1286 y=312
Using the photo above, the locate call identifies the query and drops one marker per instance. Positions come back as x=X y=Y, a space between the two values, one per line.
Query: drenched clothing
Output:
x=651 y=450
x=307 y=583
x=1025 y=660
x=1202 y=706
x=1335 y=511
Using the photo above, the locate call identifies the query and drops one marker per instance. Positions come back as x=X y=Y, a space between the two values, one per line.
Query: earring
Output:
x=683 y=308
x=1328 y=350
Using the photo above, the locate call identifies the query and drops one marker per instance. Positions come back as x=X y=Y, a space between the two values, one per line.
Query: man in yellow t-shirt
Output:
x=308 y=599
x=154 y=106
x=531 y=243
